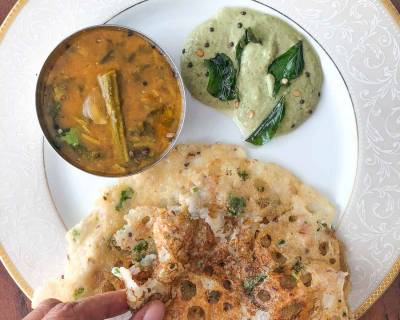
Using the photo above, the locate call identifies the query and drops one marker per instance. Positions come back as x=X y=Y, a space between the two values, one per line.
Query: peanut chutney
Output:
x=110 y=101
x=252 y=66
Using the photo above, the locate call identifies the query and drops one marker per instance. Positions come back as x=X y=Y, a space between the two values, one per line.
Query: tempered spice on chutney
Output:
x=109 y=101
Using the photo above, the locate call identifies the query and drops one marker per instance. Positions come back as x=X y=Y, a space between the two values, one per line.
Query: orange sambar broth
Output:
x=151 y=101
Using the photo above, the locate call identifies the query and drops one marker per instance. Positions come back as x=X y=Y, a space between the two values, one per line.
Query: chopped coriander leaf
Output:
x=281 y=242
x=125 y=195
x=116 y=272
x=195 y=189
x=139 y=250
x=78 y=292
x=141 y=246
x=236 y=205
x=75 y=233
x=70 y=136
x=242 y=174
x=250 y=283
x=139 y=257
x=54 y=111
x=297 y=266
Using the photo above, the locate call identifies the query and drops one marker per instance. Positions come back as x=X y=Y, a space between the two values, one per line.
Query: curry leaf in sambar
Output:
x=288 y=66
x=70 y=136
x=222 y=77
x=55 y=110
x=267 y=129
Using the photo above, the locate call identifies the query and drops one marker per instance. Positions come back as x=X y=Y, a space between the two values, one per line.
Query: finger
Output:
x=98 y=307
x=42 y=309
x=154 y=310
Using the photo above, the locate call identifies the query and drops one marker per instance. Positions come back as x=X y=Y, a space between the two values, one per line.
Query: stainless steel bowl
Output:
x=40 y=91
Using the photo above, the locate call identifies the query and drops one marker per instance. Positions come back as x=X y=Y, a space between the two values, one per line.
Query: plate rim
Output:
x=26 y=288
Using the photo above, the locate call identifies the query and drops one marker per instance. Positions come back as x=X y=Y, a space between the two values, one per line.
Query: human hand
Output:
x=98 y=307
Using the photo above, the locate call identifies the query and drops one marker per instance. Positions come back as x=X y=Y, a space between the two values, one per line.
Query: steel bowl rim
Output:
x=38 y=95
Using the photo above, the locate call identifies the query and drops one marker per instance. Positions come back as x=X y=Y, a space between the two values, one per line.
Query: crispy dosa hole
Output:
x=306 y=278
x=288 y=282
x=213 y=296
x=209 y=270
x=145 y=219
x=188 y=290
x=227 y=284
x=323 y=248
x=172 y=266
x=278 y=257
x=291 y=311
x=196 y=313
x=227 y=306
x=263 y=295
x=265 y=241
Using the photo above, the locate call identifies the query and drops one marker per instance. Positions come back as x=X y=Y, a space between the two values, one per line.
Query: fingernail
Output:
x=155 y=311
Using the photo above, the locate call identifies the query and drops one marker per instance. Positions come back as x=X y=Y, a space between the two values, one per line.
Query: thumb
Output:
x=154 y=310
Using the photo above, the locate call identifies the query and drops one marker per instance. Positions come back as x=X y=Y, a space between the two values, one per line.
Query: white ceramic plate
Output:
x=349 y=149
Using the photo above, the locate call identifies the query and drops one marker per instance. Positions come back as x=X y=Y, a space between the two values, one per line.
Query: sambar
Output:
x=110 y=101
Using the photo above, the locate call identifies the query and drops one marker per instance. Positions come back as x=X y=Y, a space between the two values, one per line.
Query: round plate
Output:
x=349 y=149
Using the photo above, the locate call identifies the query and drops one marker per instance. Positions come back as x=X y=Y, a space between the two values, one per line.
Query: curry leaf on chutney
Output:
x=222 y=77
x=288 y=66
x=267 y=129
x=247 y=37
